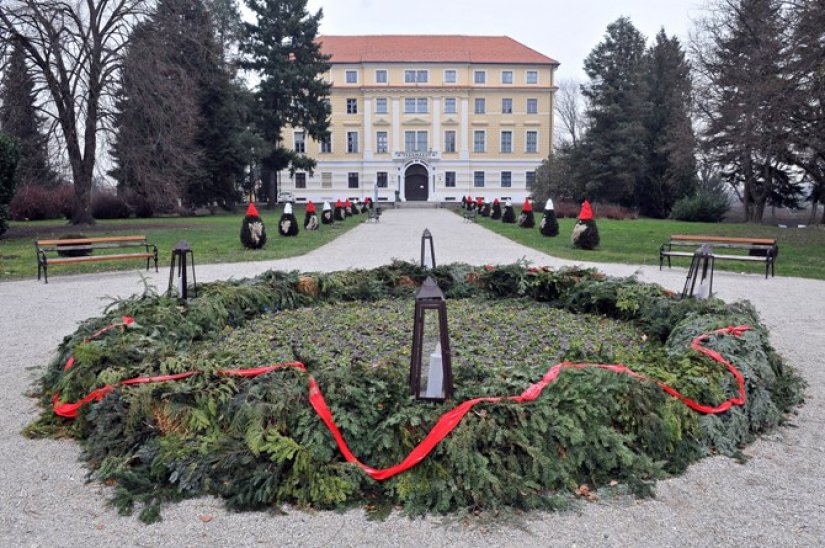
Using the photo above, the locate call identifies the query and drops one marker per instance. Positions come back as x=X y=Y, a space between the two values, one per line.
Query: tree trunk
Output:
x=814 y=211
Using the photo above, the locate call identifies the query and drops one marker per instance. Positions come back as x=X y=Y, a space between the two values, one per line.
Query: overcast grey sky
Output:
x=563 y=30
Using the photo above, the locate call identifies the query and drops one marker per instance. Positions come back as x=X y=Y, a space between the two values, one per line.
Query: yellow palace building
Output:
x=429 y=118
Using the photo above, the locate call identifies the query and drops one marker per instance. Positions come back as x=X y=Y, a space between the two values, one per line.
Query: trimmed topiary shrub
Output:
x=257 y=442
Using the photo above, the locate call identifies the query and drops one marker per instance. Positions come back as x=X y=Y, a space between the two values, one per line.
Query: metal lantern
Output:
x=184 y=259
x=431 y=375
x=427 y=250
x=701 y=269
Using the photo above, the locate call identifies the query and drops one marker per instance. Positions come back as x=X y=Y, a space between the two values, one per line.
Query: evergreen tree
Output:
x=280 y=46
x=747 y=98
x=180 y=115
x=9 y=156
x=19 y=119
x=671 y=165
x=614 y=151
x=808 y=118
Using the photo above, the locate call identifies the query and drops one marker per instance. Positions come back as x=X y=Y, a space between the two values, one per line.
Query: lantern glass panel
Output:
x=431 y=382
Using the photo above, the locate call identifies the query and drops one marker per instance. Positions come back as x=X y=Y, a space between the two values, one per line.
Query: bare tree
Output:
x=76 y=47
x=569 y=107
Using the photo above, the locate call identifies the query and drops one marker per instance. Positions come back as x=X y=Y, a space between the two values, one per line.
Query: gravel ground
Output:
x=775 y=499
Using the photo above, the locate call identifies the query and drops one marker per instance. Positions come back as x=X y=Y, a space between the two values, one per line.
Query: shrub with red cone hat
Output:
x=549 y=224
x=339 y=211
x=509 y=215
x=326 y=214
x=585 y=233
x=495 y=214
x=310 y=218
x=288 y=225
x=253 y=231
x=526 y=219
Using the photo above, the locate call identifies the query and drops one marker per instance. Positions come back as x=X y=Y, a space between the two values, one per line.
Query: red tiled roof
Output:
x=397 y=48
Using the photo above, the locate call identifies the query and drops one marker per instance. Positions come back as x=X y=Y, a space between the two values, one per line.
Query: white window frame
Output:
x=416 y=141
x=453 y=141
x=386 y=179
x=299 y=145
x=480 y=101
x=454 y=102
x=352 y=101
x=454 y=80
x=414 y=76
x=447 y=182
x=509 y=182
x=378 y=142
x=326 y=179
x=350 y=179
x=351 y=76
x=420 y=105
x=483 y=147
x=527 y=184
x=535 y=102
x=476 y=181
x=504 y=80
x=531 y=74
x=527 y=141
x=479 y=77
x=382 y=101
x=298 y=184
x=501 y=142
x=353 y=145
x=378 y=79
x=325 y=143
x=507 y=110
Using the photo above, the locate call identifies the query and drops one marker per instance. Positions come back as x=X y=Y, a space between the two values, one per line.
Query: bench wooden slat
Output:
x=93 y=258
x=76 y=241
x=723 y=239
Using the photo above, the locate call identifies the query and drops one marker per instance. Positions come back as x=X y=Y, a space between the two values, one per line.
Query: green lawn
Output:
x=214 y=239
x=801 y=251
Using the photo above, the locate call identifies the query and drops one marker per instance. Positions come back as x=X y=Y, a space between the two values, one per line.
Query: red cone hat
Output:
x=339 y=203
x=527 y=208
x=495 y=201
x=310 y=207
x=252 y=211
x=586 y=213
x=348 y=203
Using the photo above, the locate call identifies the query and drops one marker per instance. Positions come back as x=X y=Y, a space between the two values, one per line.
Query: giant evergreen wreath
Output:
x=258 y=444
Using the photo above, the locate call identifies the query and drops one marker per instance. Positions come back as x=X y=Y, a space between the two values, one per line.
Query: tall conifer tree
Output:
x=20 y=120
x=671 y=168
x=613 y=156
x=280 y=46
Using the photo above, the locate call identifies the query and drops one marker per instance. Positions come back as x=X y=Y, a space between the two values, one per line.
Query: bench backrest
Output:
x=92 y=241
x=722 y=239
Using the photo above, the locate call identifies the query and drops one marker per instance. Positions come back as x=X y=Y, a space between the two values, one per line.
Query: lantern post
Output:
x=427 y=250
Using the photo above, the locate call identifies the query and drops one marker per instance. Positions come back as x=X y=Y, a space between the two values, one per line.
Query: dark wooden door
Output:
x=417 y=183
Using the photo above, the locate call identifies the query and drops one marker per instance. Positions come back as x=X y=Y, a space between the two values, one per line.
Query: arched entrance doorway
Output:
x=416 y=183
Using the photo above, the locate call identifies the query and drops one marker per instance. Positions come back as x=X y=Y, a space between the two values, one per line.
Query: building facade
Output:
x=429 y=118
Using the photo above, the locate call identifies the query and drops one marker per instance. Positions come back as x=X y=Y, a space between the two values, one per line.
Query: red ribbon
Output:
x=449 y=420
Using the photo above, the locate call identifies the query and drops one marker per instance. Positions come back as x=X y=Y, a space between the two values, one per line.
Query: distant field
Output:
x=214 y=239
x=801 y=250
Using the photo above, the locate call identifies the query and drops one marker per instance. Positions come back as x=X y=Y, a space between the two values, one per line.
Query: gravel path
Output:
x=776 y=499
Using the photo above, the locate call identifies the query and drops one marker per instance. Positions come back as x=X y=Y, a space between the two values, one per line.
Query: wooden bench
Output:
x=762 y=250
x=470 y=215
x=88 y=246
